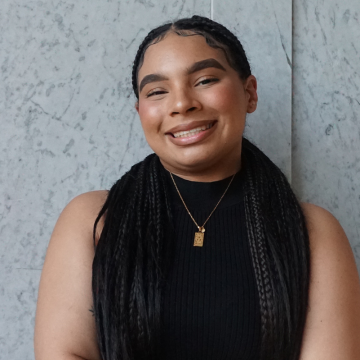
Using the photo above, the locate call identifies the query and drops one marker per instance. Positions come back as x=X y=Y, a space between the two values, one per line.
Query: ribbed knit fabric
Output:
x=211 y=305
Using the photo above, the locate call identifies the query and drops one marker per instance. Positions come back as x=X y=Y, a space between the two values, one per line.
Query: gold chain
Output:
x=201 y=228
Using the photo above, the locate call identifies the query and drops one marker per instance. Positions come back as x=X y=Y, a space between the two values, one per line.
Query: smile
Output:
x=192 y=132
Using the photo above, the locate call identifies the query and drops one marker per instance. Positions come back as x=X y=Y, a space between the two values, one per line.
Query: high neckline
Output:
x=203 y=196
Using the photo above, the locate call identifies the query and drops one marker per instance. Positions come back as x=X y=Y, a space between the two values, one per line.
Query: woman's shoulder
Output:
x=86 y=205
x=315 y=210
x=325 y=231
x=65 y=293
x=318 y=218
x=89 y=202
x=81 y=212
x=334 y=294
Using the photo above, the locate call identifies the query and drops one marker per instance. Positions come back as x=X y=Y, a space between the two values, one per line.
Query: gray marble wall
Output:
x=326 y=109
x=68 y=123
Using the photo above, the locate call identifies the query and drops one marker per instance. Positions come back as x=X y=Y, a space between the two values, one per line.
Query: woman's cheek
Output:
x=222 y=99
x=150 y=116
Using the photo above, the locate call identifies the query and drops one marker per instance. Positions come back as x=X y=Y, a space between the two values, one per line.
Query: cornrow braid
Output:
x=135 y=248
x=153 y=36
x=280 y=249
x=130 y=262
x=234 y=50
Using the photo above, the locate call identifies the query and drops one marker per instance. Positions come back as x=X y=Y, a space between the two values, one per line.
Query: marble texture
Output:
x=68 y=125
x=264 y=28
x=326 y=111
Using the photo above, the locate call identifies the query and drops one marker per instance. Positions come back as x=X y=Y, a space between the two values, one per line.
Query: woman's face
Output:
x=192 y=105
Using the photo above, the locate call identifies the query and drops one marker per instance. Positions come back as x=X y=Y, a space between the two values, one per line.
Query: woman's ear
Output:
x=251 y=91
x=137 y=106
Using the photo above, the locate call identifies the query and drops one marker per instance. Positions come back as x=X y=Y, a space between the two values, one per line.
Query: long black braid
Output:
x=135 y=247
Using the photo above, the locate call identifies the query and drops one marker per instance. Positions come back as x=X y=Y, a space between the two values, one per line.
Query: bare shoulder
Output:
x=80 y=213
x=87 y=204
x=64 y=325
x=325 y=231
x=333 y=320
x=329 y=245
x=319 y=219
x=92 y=197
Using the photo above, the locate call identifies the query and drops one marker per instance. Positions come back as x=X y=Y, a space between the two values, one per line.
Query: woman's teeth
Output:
x=192 y=131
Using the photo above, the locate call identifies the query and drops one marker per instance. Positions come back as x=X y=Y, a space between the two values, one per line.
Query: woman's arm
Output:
x=65 y=326
x=332 y=330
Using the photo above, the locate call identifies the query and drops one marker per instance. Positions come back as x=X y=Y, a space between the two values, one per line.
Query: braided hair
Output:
x=135 y=248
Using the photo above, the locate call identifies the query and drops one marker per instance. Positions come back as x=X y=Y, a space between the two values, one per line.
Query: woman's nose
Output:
x=183 y=102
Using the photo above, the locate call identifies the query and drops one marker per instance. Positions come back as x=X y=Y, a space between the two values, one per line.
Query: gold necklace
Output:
x=199 y=235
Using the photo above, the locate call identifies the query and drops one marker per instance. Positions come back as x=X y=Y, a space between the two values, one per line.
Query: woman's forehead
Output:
x=180 y=51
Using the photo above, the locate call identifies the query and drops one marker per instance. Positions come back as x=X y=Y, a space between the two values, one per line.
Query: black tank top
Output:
x=211 y=304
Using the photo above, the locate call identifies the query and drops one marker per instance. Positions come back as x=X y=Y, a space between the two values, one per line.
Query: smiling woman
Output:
x=185 y=85
x=158 y=287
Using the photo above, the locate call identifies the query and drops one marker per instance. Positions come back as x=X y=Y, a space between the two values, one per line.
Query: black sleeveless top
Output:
x=211 y=304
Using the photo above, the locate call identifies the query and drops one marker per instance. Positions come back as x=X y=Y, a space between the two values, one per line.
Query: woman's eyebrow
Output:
x=204 y=64
x=151 y=78
x=200 y=65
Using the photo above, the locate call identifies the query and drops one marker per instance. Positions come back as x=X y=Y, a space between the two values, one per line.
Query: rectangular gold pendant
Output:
x=199 y=239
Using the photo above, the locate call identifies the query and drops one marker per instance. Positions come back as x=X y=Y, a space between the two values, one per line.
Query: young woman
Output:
x=202 y=250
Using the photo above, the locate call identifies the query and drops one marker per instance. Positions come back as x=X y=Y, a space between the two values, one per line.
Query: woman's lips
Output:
x=192 y=139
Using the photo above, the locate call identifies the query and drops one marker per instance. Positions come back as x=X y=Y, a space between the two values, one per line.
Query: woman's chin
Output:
x=189 y=162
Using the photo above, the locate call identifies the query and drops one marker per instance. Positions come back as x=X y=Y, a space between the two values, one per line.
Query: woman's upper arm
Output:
x=332 y=329
x=64 y=325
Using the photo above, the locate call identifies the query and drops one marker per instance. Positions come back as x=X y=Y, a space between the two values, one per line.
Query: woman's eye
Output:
x=207 y=81
x=155 y=93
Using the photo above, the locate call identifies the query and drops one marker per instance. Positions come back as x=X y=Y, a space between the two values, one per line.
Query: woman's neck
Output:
x=208 y=172
x=203 y=196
